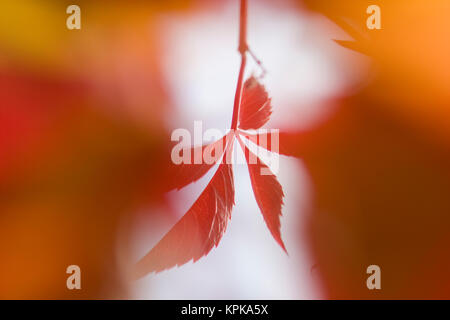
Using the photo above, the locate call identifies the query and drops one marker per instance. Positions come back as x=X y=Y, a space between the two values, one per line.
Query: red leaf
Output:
x=183 y=174
x=267 y=140
x=310 y=141
x=199 y=229
x=268 y=192
x=255 y=109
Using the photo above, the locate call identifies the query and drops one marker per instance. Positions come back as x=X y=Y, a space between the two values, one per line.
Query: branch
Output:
x=242 y=50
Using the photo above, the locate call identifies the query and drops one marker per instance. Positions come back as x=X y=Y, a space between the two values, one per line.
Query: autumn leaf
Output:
x=268 y=192
x=199 y=230
x=284 y=141
x=203 y=225
x=185 y=173
x=256 y=106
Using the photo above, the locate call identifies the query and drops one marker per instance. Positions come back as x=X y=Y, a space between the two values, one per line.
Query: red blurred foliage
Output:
x=70 y=175
x=380 y=164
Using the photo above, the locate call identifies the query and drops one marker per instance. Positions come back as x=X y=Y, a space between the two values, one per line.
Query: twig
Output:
x=243 y=48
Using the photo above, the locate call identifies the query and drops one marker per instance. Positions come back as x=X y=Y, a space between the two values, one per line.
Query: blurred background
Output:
x=85 y=123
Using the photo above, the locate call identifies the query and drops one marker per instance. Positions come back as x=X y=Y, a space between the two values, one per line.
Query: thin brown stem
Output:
x=258 y=62
x=242 y=50
x=237 y=97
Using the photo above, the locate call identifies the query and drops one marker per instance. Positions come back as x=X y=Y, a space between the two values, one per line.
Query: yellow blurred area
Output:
x=35 y=31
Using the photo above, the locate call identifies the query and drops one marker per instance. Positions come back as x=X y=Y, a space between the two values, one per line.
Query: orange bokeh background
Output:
x=83 y=140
